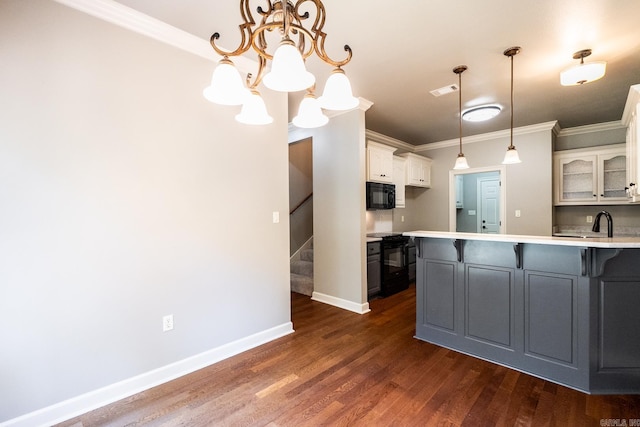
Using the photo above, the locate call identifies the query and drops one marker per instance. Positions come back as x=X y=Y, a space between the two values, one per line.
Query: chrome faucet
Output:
x=596 y=223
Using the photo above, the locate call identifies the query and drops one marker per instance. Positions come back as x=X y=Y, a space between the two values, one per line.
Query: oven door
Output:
x=395 y=271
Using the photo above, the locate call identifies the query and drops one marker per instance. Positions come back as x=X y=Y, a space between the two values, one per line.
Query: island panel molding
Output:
x=557 y=308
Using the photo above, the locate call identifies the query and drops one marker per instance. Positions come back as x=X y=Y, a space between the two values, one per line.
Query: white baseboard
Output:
x=341 y=303
x=95 y=399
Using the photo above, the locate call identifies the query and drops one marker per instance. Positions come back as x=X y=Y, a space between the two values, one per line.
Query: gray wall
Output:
x=126 y=196
x=339 y=207
x=529 y=184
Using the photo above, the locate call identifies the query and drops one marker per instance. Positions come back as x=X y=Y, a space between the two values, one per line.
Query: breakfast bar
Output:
x=566 y=309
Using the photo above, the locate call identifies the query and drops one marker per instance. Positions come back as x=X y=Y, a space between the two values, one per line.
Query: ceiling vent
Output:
x=445 y=90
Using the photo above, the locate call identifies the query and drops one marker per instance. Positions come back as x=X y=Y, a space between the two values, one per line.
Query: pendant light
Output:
x=511 y=156
x=461 y=161
x=583 y=73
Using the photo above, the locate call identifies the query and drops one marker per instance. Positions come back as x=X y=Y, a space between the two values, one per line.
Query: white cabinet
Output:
x=631 y=119
x=379 y=162
x=590 y=176
x=399 y=166
x=418 y=170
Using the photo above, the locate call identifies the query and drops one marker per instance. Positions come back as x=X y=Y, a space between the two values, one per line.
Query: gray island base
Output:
x=563 y=309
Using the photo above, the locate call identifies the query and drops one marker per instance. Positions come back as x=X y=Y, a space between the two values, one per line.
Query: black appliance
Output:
x=381 y=196
x=394 y=250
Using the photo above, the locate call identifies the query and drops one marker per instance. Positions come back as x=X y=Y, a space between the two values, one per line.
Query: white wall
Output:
x=125 y=196
x=529 y=184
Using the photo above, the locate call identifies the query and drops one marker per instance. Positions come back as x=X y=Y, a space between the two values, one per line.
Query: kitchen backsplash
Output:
x=379 y=221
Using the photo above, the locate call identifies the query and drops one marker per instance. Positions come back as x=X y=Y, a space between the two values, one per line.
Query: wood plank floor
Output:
x=341 y=368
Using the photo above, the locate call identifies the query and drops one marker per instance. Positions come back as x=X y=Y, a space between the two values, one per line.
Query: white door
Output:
x=489 y=205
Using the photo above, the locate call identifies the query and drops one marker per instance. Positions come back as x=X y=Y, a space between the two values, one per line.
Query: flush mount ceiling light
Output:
x=461 y=160
x=511 y=156
x=481 y=113
x=583 y=73
x=288 y=73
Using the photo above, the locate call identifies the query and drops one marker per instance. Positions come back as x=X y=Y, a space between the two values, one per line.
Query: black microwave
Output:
x=381 y=196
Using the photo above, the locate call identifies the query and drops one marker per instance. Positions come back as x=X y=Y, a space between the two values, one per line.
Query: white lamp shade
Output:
x=254 y=111
x=583 y=73
x=288 y=72
x=310 y=114
x=461 y=162
x=337 y=93
x=511 y=157
x=226 y=85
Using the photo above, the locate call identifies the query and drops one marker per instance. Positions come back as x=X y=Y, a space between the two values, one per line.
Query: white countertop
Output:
x=591 y=242
x=374 y=239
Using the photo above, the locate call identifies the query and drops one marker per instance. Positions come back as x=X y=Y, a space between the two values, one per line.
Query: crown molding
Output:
x=387 y=140
x=547 y=126
x=133 y=20
x=598 y=127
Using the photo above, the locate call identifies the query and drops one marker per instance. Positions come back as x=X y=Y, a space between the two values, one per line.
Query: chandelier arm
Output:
x=262 y=67
x=246 y=32
x=320 y=36
x=259 y=41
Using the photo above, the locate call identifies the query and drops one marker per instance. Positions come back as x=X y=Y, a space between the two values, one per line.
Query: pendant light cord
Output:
x=460 y=108
x=511 y=141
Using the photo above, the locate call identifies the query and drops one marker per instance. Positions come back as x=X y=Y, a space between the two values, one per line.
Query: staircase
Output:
x=302 y=272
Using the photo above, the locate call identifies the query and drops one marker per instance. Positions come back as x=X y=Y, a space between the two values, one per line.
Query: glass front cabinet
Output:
x=590 y=177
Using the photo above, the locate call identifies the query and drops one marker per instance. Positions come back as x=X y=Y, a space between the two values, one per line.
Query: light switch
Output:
x=517 y=213
x=472 y=212
x=276 y=217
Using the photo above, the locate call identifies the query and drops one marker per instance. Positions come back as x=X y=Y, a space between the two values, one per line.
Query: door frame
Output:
x=502 y=172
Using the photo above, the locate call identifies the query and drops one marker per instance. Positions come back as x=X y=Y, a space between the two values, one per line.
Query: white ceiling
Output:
x=404 y=49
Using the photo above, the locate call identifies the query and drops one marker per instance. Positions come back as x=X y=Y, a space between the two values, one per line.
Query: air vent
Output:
x=445 y=90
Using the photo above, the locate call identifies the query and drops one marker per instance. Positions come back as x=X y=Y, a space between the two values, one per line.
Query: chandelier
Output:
x=286 y=19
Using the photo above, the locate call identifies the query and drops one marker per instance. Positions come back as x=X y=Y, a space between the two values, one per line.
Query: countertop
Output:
x=373 y=239
x=590 y=242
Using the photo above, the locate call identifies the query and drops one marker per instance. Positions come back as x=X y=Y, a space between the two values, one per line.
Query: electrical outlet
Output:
x=402 y=218
x=589 y=219
x=167 y=323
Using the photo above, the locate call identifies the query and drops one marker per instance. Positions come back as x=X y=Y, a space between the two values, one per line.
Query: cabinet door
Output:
x=418 y=172
x=612 y=177
x=459 y=191
x=374 y=275
x=577 y=179
x=379 y=165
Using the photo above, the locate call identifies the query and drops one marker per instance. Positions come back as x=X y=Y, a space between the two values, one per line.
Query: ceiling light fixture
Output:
x=461 y=160
x=288 y=72
x=481 y=113
x=511 y=156
x=583 y=73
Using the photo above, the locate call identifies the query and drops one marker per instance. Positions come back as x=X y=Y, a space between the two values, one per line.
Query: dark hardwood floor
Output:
x=341 y=368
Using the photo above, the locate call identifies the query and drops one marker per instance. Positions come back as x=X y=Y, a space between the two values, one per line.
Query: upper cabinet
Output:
x=418 y=170
x=379 y=162
x=399 y=167
x=631 y=119
x=591 y=176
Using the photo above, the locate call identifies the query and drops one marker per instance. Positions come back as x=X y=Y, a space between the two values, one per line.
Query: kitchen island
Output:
x=564 y=309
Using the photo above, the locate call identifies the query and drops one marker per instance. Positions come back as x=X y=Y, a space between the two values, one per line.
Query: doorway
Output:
x=477 y=199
